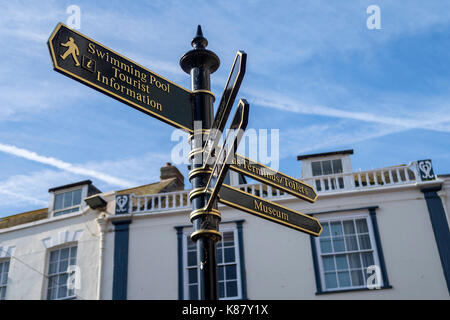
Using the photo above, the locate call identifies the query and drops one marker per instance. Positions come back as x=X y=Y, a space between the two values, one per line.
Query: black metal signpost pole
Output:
x=200 y=64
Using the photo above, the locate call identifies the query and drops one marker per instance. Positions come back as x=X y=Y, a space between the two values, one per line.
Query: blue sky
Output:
x=314 y=71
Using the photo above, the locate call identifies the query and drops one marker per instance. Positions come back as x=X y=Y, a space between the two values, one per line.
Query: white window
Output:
x=228 y=267
x=58 y=273
x=328 y=167
x=346 y=248
x=67 y=202
x=4 y=270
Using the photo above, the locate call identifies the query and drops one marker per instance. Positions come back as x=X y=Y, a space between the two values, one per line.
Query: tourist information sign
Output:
x=89 y=62
x=226 y=154
x=269 y=210
x=273 y=178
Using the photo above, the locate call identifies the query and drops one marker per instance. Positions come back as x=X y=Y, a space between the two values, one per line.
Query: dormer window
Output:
x=67 y=202
x=328 y=170
x=326 y=167
x=69 y=198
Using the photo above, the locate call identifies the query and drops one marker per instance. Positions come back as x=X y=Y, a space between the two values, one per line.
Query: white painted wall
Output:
x=32 y=244
x=153 y=259
x=282 y=268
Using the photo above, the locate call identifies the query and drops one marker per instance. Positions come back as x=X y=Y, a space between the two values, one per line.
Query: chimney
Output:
x=170 y=171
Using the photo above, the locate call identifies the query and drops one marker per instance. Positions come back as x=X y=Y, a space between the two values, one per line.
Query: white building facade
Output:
x=385 y=236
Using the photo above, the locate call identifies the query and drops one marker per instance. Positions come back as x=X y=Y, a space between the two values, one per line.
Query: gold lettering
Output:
x=91 y=48
x=258 y=206
x=126 y=67
x=114 y=62
x=105 y=80
x=271 y=211
x=131 y=93
x=158 y=84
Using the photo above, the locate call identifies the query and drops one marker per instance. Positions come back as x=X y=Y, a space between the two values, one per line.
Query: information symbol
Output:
x=88 y=64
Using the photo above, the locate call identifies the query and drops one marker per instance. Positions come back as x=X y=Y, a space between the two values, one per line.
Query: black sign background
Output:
x=172 y=105
x=246 y=202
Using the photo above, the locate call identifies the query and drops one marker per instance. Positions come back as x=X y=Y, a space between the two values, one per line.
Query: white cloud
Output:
x=26 y=191
x=6 y=198
x=28 y=24
x=33 y=156
x=141 y=169
x=430 y=120
x=30 y=190
x=37 y=97
x=330 y=136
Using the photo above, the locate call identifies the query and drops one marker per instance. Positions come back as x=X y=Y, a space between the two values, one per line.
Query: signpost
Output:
x=93 y=64
x=237 y=128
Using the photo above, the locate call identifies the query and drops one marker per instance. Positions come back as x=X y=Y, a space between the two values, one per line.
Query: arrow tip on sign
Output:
x=320 y=228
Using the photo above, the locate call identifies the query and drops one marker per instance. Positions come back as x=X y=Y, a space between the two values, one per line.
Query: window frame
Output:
x=69 y=245
x=2 y=261
x=332 y=167
x=223 y=228
x=54 y=212
x=374 y=249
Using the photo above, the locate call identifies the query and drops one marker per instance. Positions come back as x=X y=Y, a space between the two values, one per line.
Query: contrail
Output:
x=33 y=156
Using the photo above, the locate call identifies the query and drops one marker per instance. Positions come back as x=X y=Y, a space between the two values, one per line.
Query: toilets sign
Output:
x=93 y=64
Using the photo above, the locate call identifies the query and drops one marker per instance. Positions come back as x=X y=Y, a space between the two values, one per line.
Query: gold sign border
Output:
x=56 y=66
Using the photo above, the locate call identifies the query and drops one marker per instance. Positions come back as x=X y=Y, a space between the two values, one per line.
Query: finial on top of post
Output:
x=199 y=42
x=199 y=56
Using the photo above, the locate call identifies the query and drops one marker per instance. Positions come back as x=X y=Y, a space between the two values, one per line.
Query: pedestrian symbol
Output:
x=72 y=49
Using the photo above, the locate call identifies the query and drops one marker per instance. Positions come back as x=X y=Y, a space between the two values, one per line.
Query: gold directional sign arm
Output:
x=273 y=178
x=269 y=210
x=226 y=102
x=91 y=63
